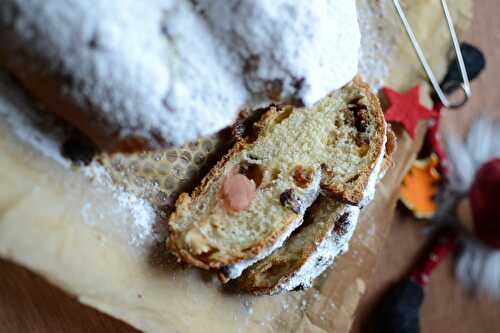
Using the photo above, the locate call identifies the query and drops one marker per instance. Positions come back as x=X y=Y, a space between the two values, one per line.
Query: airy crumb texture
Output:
x=337 y=143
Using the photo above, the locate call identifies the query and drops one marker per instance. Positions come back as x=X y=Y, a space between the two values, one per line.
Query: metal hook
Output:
x=465 y=85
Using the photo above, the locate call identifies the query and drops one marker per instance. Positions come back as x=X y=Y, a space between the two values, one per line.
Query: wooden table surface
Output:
x=447 y=306
x=29 y=304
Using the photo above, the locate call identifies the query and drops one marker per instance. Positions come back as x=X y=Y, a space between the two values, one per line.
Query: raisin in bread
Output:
x=327 y=229
x=257 y=194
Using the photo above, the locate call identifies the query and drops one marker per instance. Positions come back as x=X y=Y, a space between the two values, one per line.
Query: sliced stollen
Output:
x=257 y=194
x=325 y=234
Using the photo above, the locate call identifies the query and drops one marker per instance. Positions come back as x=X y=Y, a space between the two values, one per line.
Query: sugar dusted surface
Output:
x=134 y=217
x=312 y=42
x=162 y=70
x=148 y=66
x=327 y=251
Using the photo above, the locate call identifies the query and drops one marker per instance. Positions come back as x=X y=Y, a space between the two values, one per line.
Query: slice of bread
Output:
x=233 y=271
x=328 y=226
x=277 y=173
x=307 y=253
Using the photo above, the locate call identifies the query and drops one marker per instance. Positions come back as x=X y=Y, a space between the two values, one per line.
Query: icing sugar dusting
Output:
x=147 y=66
x=163 y=71
x=132 y=217
x=302 y=48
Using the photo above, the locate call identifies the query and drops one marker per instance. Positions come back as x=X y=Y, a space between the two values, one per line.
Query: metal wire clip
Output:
x=465 y=85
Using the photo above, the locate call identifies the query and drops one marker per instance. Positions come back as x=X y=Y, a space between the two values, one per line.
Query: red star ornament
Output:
x=405 y=108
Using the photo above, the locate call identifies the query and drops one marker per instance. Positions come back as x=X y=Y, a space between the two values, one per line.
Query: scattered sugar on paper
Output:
x=46 y=137
x=131 y=216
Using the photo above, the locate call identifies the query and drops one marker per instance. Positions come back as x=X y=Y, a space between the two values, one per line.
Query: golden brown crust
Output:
x=390 y=147
x=216 y=171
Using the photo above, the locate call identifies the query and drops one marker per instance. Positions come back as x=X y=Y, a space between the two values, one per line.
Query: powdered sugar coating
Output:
x=150 y=67
x=164 y=72
x=377 y=23
x=309 y=48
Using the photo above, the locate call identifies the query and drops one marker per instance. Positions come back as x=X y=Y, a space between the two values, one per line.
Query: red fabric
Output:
x=405 y=108
x=445 y=244
x=434 y=140
x=484 y=197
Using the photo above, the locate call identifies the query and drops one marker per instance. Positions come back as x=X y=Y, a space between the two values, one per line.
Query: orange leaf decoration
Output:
x=420 y=187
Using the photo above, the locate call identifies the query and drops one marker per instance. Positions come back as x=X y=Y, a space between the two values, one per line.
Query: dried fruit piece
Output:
x=237 y=192
x=289 y=200
x=361 y=119
x=302 y=177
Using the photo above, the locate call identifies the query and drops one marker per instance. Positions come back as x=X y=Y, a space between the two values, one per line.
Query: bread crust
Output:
x=390 y=148
x=189 y=258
